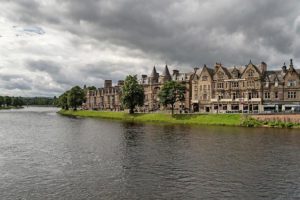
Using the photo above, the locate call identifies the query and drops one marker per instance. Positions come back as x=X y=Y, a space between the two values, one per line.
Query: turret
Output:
x=165 y=75
x=153 y=78
x=108 y=83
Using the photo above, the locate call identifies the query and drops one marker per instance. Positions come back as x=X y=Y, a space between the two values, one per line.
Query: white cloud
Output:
x=50 y=45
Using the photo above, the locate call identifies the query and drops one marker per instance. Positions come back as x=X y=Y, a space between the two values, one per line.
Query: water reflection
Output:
x=47 y=156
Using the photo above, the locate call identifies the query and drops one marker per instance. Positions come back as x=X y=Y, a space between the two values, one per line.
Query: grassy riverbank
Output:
x=197 y=119
x=193 y=119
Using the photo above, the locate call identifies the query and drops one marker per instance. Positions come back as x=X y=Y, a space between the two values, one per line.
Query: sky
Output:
x=48 y=46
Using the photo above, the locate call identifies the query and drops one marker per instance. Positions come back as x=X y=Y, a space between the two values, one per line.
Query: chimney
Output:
x=175 y=72
x=263 y=67
x=120 y=82
x=291 y=63
x=108 y=83
x=284 y=68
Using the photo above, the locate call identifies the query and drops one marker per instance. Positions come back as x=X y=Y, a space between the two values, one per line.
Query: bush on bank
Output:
x=251 y=122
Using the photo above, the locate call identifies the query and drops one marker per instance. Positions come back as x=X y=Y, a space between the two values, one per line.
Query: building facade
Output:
x=246 y=89
x=106 y=98
x=155 y=81
x=238 y=89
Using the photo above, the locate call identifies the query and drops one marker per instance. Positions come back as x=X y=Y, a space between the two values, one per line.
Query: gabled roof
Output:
x=274 y=75
x=166 y=72
x=251 y=65
x=225 y=70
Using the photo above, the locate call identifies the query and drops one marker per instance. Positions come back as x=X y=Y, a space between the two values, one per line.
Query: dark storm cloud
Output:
x=184 y=33
x=177 y=33
x=43 y=66
x=14 y=81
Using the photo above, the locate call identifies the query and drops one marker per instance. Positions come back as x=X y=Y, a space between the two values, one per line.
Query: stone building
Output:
x=155 y=81
x=249 y=89
x=106 y=98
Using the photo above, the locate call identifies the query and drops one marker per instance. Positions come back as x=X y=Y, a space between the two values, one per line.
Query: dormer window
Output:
x=267 y=84
x=291 y=83
x=235 y=73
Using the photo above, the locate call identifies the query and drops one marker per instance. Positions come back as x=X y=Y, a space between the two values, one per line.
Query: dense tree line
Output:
x=7 y=101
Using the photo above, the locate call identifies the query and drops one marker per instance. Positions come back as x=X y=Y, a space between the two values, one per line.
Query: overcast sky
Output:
x=47 y=46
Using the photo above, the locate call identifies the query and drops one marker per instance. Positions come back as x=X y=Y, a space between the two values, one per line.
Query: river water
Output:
x=47 y=156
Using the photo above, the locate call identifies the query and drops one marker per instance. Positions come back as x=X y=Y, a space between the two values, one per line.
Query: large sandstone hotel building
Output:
x=244 y=89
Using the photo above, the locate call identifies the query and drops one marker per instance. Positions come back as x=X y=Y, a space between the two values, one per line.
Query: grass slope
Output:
x=201 y=119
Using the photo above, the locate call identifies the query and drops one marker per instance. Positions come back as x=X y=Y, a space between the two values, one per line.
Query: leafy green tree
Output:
x=1 y=101
x=170 y=93
x=132 y=93
x=17 y=102
x=91 y=88
x=63 y=101
x=76 y=97
x=7 y=101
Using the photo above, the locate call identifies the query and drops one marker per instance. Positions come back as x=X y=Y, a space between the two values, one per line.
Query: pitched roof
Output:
x=166 y=72
x=154 y=73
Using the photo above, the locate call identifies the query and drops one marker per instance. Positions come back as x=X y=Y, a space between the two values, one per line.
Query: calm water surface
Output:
x=47 y=156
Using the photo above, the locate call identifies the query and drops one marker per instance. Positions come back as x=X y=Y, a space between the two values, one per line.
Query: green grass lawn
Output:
x=201 y=119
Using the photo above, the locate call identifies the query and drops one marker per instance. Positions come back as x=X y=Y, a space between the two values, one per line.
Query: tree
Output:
x=132 y=93
x=7 y=101
x=17 y=102
x=170 y=93
x=1 y=101
x=91 y=88
x=76 y=97
x=63 y=101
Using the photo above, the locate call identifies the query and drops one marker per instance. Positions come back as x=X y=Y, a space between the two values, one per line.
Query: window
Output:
x=200 y=87
x=204 y=96
x=220 y=85
x=291 y=83
x=234 y=96
x=267 y=84
x=267 y=95
x=250 y=73
x=276 y=95
x=235 y=84
x=249 y=95
x=235 y=74
x=204 y=78
x=291 y=95
x=204 y=87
